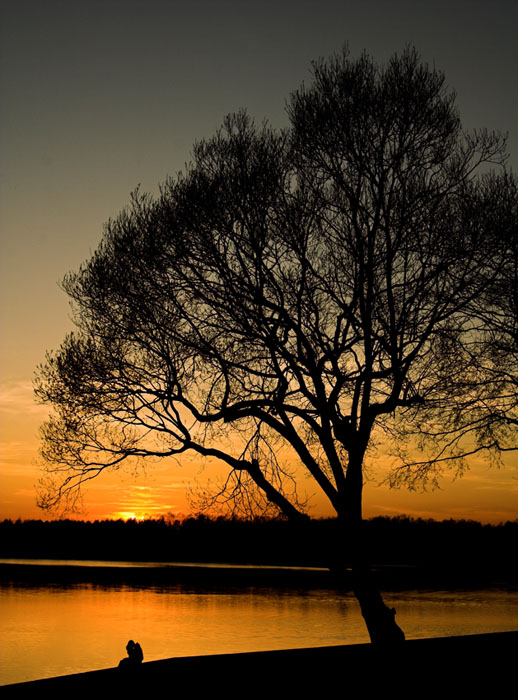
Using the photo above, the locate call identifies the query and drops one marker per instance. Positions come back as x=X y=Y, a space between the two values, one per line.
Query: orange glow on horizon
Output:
x=162 y=489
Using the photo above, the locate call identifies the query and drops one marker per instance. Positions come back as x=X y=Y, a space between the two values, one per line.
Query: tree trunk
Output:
x=379 y=618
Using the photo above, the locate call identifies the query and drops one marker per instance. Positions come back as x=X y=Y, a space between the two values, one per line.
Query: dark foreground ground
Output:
x=482 y=665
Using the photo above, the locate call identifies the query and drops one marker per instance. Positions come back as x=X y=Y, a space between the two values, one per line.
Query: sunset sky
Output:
x=98 y=97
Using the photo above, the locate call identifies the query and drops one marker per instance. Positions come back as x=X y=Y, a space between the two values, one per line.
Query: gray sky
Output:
x=98 y=97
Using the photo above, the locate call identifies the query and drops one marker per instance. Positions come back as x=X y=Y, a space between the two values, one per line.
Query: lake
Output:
x=59 y=628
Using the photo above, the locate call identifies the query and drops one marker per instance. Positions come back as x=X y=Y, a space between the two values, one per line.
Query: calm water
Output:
x=53 y=630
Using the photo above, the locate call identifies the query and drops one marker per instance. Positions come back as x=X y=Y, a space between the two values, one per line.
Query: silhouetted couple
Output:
x=135 y=655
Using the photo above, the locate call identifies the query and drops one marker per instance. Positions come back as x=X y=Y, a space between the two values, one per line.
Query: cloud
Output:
x=19 y=458
x=17 y=396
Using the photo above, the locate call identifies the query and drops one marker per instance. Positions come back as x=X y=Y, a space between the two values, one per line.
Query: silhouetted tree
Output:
x=474 y=406
x=496 y=311
x=298 y=288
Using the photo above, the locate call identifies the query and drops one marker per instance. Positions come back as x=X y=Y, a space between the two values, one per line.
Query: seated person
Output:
x=135 y=655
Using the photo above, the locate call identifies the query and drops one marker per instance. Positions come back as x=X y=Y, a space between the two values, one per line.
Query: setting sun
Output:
x=129 y=516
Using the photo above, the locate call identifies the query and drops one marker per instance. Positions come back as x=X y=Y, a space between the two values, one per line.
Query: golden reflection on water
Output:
x=54 y=630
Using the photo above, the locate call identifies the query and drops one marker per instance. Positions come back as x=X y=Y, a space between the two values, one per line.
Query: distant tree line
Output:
x=399 y=540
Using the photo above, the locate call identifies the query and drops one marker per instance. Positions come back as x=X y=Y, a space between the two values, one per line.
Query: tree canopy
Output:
x=298 y=286
x=474 y=407
x=303 y=287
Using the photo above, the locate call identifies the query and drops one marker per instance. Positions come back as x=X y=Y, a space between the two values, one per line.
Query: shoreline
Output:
x=398 y=577
x=442 y=663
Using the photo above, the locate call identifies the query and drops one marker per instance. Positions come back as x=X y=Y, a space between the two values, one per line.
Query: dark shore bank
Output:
x=390 y=577
x=446 y=665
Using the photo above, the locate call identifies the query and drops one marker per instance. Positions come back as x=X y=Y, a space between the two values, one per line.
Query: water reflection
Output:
x=56 y=629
